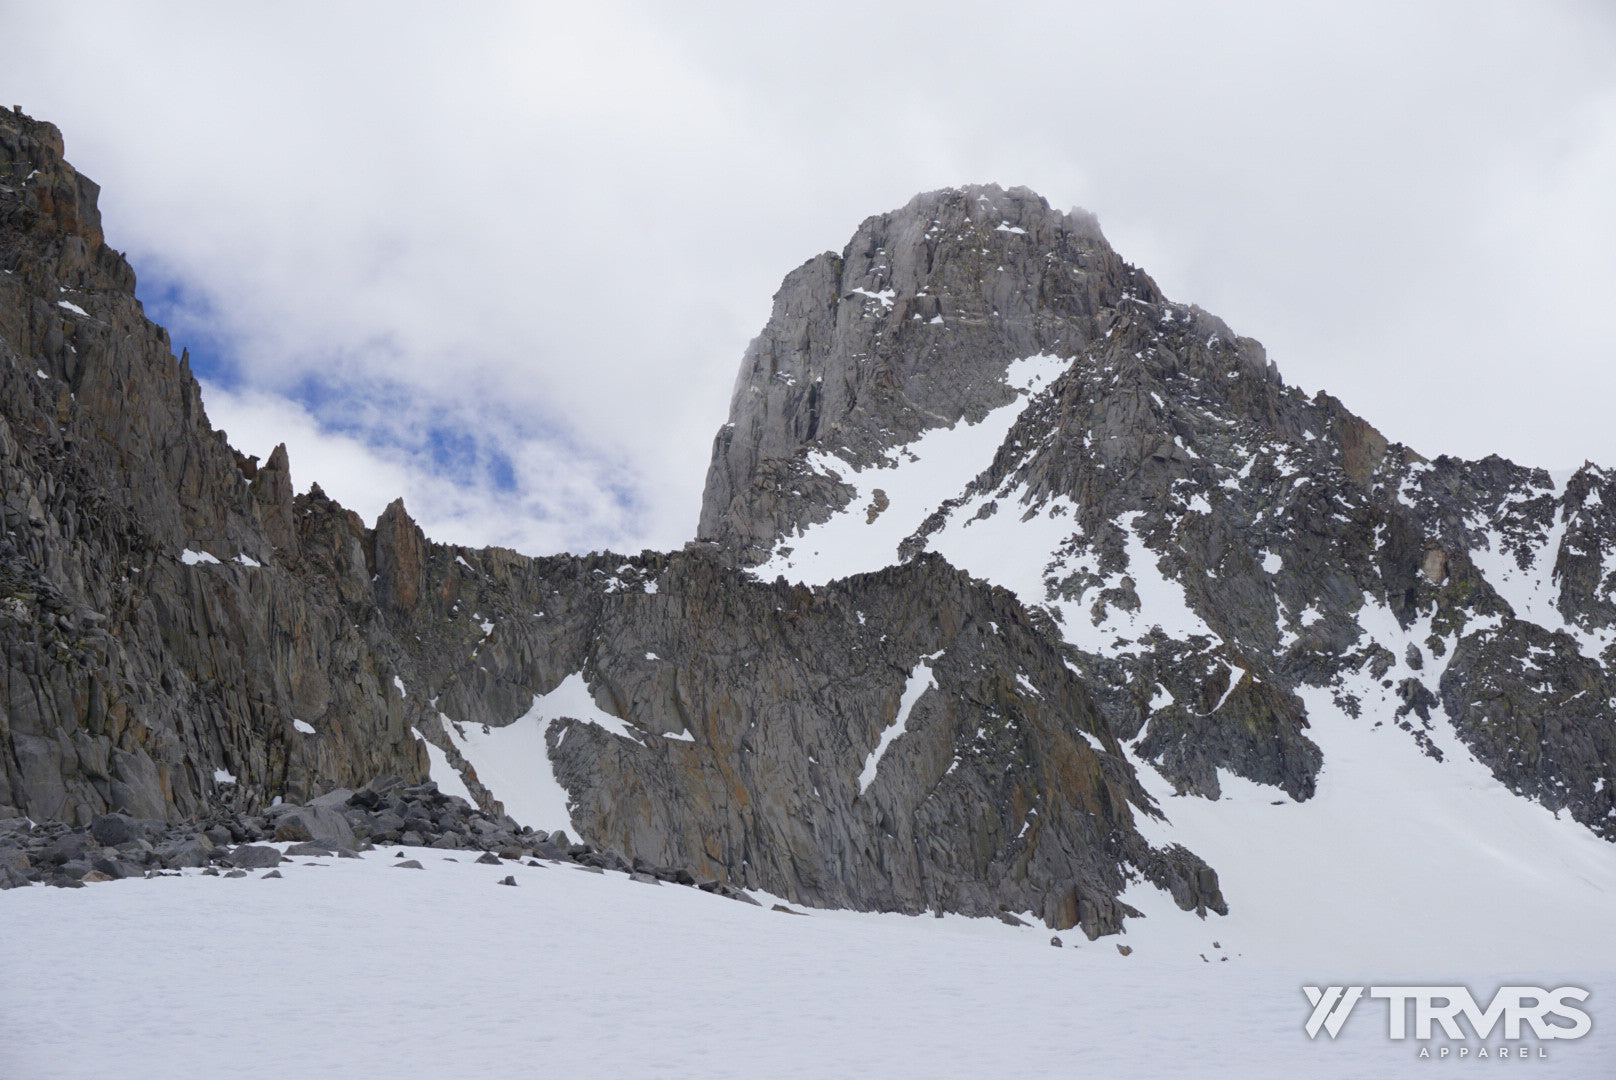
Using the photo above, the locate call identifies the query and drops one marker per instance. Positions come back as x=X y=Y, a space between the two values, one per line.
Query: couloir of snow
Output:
x=513 y=761
x=344 y=968
x=1398 y=862
x=1532 y=591
x=1023 y=555
x=442 y=773
x=920 y=680
x=915 y=478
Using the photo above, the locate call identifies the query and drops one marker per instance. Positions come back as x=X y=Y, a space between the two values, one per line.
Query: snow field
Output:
x=354 y=968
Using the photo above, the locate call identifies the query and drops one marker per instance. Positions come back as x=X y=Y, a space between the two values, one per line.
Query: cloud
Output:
x=556 y=498
x=504 y=259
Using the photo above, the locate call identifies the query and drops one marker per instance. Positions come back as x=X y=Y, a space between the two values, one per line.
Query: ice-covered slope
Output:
x=354 y=968
x=514 y=760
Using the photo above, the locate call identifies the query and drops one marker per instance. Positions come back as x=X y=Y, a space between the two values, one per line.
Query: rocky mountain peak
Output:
x=911 y=327
x=1211 y=546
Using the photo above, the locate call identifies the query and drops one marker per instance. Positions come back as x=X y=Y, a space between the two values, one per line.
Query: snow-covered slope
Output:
x=354 y=968
x=514 y=761
x=905 y=487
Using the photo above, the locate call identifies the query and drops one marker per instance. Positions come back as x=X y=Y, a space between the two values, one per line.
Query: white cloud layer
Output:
x=553 y=228
x=562 y=501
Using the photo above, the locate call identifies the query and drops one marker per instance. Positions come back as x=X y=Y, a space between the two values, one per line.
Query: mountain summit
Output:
x=911 y=327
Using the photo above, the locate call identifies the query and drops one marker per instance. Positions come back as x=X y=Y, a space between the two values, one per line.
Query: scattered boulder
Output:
x=384 y=785
x=386 y=822
x=110 y=830
x=321 y=824
x=254 y=857
x=180 y=853
x=335 y=799
x=294 y=830
x=408 y=864
x=114 y=869
x=65 y=849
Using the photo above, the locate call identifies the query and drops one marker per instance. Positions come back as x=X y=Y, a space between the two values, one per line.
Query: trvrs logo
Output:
x=1548 y=1014
x=1331 y=1007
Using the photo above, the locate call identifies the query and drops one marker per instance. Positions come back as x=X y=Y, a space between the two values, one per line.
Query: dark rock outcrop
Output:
x=167 y=609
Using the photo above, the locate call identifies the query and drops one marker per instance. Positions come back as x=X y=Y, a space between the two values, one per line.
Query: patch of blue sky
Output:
x=192 y=325
x=469 y=443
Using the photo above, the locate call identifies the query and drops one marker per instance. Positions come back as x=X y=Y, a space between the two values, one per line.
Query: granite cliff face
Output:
x=1208 y=546
x=905 y=740
x=168 y=609
x=183 y=634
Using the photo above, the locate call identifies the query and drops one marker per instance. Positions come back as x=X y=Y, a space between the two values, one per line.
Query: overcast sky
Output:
x=504 y=259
